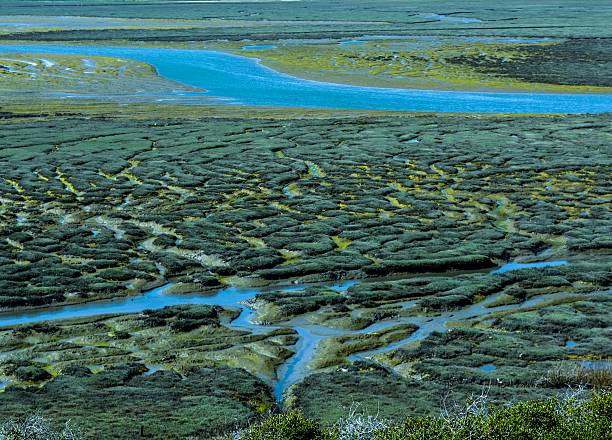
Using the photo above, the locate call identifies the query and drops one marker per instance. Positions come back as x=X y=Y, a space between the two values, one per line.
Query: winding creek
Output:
x=310 y=334
x=238 y=80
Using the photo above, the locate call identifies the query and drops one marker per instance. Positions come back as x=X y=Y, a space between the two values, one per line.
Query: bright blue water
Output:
x=239 y=80
x=517 y=266
x=296 y=366
x=153 y=299
x=487 y=368
x=342 y=287
x=230 y=297
x=151 y=369
x=258 y=47
x=570 y=344
x=353 y=42
x=309 y=334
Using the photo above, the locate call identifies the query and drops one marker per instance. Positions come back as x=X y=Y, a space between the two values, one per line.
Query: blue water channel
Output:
x=538 y=265
x=310 y=334
x=238 y=80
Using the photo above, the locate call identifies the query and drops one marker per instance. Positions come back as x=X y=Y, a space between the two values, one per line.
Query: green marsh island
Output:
x=305 y=220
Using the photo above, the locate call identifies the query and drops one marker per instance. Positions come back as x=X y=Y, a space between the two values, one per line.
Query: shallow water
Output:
x=237 y=80
x=487 y=368
x=151 y=369
x=353 y=42
x=153 y=299
x=439 y=323
x=310 y=334
x=517 y=266
x=258 y=47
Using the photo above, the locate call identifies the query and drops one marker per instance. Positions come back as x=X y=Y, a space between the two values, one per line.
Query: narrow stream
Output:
x=310 y=334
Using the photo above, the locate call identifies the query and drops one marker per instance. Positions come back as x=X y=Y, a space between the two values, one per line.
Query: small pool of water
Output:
x=487 y=368
x=4 y=383
x=518 y=266
x=151 y=369
x=338 y=287
x=570 y=344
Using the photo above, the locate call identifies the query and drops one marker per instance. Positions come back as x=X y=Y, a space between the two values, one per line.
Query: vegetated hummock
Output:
x=428 y=205
x=107 y=206
x=107 y=190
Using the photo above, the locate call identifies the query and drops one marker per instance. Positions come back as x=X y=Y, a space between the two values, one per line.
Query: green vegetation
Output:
x=110 y=210
x=450 y=63
x=565 y=418
x=133 y=201
x=527 y=351
x=113 y=194
x=175 y=338
x=121 y=403
x=551 y=419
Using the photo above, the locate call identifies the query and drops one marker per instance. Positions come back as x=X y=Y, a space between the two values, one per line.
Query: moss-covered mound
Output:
x=122 y=402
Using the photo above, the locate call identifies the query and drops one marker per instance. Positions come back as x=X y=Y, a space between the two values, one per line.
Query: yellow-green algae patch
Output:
x=409 y=63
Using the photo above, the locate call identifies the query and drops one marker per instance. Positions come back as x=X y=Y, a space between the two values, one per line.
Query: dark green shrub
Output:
x=31 y=373
x=551 y=419
x=291 y=426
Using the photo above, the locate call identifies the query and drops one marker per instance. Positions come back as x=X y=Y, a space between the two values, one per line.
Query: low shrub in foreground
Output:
x=551 y=419
x=290 y=426
x=37 y=428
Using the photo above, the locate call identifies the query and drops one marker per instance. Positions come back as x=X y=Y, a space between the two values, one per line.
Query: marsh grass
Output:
x=576 y=375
